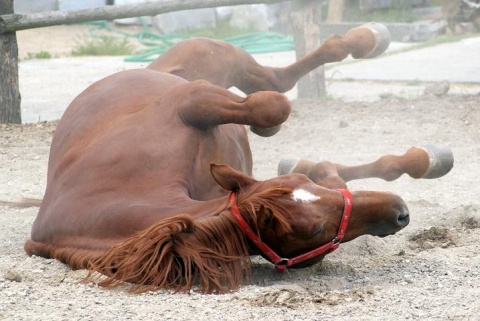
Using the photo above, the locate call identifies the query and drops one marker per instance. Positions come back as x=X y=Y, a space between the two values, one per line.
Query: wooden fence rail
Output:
x=14 y=22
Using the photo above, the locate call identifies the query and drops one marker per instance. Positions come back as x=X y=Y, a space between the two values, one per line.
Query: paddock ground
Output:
x=428 y=271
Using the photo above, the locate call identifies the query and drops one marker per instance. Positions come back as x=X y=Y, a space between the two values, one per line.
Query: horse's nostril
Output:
x=403 y=218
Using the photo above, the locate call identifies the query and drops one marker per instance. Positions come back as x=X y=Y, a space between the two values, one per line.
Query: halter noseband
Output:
x=282 y=263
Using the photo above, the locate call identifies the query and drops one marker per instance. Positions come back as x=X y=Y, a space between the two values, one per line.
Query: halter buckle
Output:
x=335 y=244
x=282 y=265
x=336 y=241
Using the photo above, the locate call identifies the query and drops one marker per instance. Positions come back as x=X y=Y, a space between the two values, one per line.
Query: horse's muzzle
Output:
x=393 y=223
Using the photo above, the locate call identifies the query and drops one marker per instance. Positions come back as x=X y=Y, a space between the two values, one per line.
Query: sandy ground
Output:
x=428 y=271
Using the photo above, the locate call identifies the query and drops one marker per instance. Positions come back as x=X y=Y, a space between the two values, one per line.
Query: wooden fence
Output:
x=11 y=22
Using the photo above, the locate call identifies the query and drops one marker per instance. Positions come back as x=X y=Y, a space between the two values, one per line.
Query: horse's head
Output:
x=293 y=216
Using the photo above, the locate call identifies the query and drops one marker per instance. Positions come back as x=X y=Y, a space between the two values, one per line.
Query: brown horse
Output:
x=135 y=192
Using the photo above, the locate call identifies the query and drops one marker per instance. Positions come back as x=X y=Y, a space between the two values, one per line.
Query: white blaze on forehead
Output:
x=301 y=195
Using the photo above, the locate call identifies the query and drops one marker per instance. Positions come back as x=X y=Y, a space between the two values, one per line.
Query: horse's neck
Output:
x=221 y=231
x=176 y=200
x=204 y=209
x=216 y=217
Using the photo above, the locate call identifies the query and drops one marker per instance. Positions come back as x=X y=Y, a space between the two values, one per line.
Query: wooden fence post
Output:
x=335 y=11
x=9 y=92
x=306 y=21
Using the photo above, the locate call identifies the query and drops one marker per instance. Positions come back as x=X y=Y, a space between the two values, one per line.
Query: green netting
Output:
x=253 y=43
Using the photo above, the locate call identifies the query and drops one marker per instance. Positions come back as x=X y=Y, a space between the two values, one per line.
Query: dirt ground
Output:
x=428 y=271
x=60 y=40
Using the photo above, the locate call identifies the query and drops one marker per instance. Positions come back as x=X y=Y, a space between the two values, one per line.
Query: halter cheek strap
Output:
x=282 y=263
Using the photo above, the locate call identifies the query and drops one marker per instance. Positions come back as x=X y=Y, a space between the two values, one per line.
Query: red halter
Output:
x=282 y=263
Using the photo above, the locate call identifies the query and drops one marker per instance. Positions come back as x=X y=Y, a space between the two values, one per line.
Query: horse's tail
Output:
x=24 y=203
x=177 y=253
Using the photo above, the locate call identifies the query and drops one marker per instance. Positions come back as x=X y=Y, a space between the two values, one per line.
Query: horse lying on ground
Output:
x=150 y=174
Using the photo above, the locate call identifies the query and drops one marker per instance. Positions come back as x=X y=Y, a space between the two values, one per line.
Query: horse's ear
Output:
x=264 y=218
x=229 y=178
x=267 y=221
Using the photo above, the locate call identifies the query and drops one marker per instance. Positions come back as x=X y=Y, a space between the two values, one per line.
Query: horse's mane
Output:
x=179 y=253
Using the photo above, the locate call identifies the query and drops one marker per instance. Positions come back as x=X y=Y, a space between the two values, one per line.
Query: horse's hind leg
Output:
x=429 y=161
x=367 y=41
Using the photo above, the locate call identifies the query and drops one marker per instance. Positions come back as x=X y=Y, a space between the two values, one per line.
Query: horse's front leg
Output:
x=203 y=105
x=429 y=161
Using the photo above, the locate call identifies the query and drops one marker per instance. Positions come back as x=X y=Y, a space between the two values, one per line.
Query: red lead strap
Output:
x=282 y=263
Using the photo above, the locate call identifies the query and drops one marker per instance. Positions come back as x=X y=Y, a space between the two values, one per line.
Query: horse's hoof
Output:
x=286 y=166
x=265 y=132
x=441 y=160
x=382 y=37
